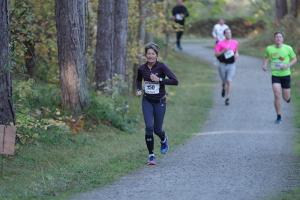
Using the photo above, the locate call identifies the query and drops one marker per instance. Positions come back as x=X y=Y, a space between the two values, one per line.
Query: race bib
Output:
x=151 y=88
x=179 y=17
x=276 y=65
x=228 y=54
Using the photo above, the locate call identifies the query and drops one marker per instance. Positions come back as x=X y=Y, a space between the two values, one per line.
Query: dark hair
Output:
x=152 y=46
x=279 y=32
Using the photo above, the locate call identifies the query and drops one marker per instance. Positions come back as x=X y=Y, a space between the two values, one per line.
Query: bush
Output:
x=240 y=27
x=40 y=117
x=37 y=109
x=110 y=111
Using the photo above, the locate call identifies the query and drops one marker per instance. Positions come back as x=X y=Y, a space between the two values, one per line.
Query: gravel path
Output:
x=240 y=153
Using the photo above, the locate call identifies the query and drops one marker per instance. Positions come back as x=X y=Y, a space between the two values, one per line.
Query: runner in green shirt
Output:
x=280 y=57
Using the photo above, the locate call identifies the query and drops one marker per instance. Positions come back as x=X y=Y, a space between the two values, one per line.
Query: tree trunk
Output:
x=71 y=58
x=104 y=44
x=120 y=37
x=82 y=9
x=167 y=32
x=294 y=8
x=141 y=40
x=142 y=24
x=7 y=114
x=30 y=57
x=281 y=9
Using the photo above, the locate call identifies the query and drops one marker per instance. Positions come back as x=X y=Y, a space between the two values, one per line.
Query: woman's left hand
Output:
x=154 y=78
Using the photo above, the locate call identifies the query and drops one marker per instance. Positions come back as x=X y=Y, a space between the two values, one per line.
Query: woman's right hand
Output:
x=138 y=93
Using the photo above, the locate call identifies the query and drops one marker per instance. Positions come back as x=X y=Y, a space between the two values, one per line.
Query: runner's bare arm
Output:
x=265 y=64
x=236 y=55
x=139 y=83
x=292 y=62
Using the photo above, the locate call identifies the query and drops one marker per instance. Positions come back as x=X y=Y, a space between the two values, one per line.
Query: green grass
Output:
x=81 y=162
x=258 y=51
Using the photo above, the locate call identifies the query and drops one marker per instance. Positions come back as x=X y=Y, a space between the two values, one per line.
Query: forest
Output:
x=67 y=82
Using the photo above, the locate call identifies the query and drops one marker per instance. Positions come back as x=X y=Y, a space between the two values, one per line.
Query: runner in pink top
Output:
x=227 y=44
x=226 y=52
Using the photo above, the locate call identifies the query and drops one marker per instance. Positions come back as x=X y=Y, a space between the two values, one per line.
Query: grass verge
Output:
x=77 y=163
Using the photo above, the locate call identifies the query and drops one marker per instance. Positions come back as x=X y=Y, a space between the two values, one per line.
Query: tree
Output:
x=104 y=44
x=82 y=11
x=7 y=114
x=140 y=38
x=70 y=25
x=281 y=9
x=112 y=28
x=294 y=8
x=120 y=37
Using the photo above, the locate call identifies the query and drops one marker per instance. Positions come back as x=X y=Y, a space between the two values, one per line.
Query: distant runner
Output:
x=281 y=57
x=218 y=30
x=179 y=13
x=154 y=74
x=227 y=53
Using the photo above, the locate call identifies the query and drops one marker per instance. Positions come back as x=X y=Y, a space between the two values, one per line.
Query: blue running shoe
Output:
x=164 y=146
x=278 y=121
x=151 y=159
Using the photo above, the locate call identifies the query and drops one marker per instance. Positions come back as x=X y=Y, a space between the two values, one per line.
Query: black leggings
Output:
x=154 y=113
x=178 y=37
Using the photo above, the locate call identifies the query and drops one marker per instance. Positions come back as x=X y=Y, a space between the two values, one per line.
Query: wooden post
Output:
x=7 y=142
x=2 y=165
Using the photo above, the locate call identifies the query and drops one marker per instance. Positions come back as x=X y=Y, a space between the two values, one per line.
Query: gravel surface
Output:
x=240 y=154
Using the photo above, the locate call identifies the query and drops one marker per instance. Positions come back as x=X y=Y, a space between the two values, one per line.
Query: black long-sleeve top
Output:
x=180 y=9
x=160 y=70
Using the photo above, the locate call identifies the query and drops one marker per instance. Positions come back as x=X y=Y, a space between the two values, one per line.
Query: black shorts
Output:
x=285 y=81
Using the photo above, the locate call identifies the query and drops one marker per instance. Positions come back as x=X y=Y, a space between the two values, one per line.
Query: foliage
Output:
x=263 y=9
x=241 y=27
x=133 y=22
x=37 y=111
x=112 y=107
x=290 y=27
x=40 y=118
x=20 y=24
x=34 y=22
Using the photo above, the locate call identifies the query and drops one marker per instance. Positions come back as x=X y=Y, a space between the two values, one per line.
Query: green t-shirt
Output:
x=277 y=56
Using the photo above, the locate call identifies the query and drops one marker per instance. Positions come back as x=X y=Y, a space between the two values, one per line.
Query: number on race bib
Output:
x=179 y=17
x=151 y=88
x=228 y=54
x=276 y=65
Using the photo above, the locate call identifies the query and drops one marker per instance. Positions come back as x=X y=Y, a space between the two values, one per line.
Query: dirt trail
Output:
x=240 y=154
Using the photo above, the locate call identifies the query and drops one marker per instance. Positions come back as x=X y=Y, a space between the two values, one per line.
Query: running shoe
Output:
x=227 y=101
x=278 y=121
x=164 y=146
x=151 y=159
